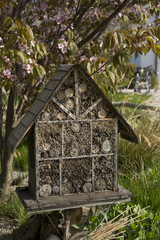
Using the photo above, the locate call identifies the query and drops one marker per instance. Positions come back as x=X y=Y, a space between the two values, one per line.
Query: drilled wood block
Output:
x=101 y=111
x=77 y=138
x=53 y=112
x=103 y=137
x=104 y=170
x=49 y=140
x=49 y=178
x=87 y=95
x=65 y=95
x=77 y=176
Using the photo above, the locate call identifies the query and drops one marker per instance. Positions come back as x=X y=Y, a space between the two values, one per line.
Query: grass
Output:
x=139 y=172
x=20 y=162
x=12 y=207
x=128 y=97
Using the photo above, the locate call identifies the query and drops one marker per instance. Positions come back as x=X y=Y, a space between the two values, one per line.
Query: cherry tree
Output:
x=37 y=36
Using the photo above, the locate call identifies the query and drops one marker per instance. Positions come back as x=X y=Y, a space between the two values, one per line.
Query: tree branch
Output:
x=84 y=9
x=101 y=27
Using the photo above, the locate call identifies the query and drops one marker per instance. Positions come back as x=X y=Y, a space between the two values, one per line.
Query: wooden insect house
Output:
x=72 y=131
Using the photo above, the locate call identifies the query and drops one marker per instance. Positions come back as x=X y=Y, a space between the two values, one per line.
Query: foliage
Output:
x=21 y=157
x=147 y=229
x=114 y=222
x=11 y=206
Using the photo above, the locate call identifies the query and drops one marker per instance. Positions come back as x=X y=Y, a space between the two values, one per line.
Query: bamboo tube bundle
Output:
x=109 y=230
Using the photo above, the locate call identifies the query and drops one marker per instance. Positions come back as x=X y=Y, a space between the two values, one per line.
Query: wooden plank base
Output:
x=53 y=203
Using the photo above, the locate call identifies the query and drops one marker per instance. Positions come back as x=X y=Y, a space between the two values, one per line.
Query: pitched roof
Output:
x=20 y=131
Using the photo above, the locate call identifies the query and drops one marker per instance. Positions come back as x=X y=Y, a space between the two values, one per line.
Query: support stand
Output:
x=71 y=216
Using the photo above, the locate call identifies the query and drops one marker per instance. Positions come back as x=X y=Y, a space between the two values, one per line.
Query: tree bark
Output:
x=1 y=114
x=7 y=156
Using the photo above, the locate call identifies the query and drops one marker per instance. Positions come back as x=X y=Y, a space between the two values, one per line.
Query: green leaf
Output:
x=70 y=34
x=111 y=77
x=107 y=41
x=80 y=227
x=14 y=27
x=7 y=21
x=22 y=57
x=39 y=70
x=120 y=38
x=90 y=213
x=30 y=32
x=125 y=18
x=73 y=47
x=115 y=38
x=89 y=68
x=41 y=50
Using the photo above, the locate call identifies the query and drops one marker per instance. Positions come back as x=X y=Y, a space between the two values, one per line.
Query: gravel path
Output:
x=154 y=99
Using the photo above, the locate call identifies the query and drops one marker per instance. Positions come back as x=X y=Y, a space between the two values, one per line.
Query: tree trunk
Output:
x=7 y=155
x=1 y=114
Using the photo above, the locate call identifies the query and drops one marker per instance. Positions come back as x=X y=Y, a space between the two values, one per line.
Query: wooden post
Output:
x=1 y=139
x=71 y=216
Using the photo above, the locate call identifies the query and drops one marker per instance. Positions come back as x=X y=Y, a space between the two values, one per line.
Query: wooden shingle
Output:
x=45 y=95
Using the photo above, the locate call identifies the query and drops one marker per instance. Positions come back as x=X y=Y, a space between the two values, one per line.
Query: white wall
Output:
x=150 y=59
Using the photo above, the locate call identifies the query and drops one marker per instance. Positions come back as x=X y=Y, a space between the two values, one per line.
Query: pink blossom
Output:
x=27 y=67
x=63 y=27
x=58 y=19
x=83 y=58
x=139 y=45
x=1 y=40
x=14 y=77
x=101 y=44
x=93 y=58
x=30 y=60
x=144 y=10
x=134 y=8
x=101 y=68
x=63 y=46
x=149 y=24
x=32 y=43
x=7 y=73
x=120 y=15
x=6 y=59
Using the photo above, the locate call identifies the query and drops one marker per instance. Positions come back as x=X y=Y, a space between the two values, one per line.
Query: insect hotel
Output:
x=72 y=131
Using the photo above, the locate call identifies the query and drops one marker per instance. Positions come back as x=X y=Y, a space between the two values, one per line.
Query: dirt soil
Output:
x=7 y=226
